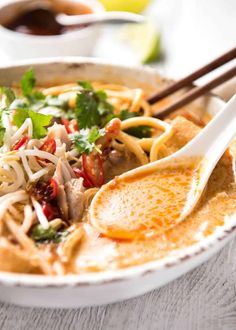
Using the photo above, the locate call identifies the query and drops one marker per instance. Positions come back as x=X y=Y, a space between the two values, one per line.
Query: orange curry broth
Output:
x=120 y=210
x=97 y=253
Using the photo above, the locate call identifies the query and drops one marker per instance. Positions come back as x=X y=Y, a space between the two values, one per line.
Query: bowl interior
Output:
x=59 y=71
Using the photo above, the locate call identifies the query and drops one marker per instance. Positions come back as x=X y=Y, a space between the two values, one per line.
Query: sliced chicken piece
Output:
x=58 y=175
x=58 y=131
x=62 y=201
x=67 y=171
x=75 y=198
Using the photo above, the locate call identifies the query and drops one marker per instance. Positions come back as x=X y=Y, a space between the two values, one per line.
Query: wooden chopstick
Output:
x=195 y=93
x=186 y=81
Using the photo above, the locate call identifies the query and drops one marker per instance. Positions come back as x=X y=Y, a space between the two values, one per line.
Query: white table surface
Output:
x=206 y=297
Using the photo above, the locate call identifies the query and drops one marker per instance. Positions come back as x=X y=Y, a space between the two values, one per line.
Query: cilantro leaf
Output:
x=55 y=101
x=28 y=82
x=42 y=235
x=2 y=128
x=18 y=103
x=39 y=121
x=9 y=95
x=104 y=108
x=85 y=85
x=84 y=141
x=91 y=106
x=123 y=115
x=142 y=131
x=126 y=114
x=87 y=110
x=2 y=132
x=39 y=233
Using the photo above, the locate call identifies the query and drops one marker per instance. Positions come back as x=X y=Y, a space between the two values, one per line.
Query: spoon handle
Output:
x=213 y=140
x=210 y=144
x=106 y=17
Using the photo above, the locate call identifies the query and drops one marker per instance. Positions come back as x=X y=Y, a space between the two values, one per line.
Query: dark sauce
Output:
x=42 y=22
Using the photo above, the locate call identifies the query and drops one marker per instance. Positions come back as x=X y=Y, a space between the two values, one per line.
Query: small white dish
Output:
x=106 y=287
x=22 y=46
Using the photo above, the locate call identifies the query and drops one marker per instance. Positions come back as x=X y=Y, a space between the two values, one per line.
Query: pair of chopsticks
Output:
x=194 y=92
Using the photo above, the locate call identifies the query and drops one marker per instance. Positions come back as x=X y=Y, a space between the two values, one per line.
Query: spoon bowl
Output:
x=153 y=198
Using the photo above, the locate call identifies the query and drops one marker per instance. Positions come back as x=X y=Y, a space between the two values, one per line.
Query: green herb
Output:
x=84 y=141
x=2 y=129
x=42 y=235
x=2 y=132
x=126 y=114
x=55 y=101
x=39 y=121
x=87 y=110
x=38 y=233
x=123 y=115
x=9 y=95
x=104 y=107
x=9 y=98
x=91 y=106
x=28 y=82
x=85 y=85
x=139 y=131
x=18 y=103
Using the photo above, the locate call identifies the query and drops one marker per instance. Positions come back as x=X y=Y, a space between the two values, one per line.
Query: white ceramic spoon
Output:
x=106 y=17
x=116 y=204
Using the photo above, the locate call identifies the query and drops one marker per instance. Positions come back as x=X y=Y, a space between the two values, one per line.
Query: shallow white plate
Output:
x=102 y=288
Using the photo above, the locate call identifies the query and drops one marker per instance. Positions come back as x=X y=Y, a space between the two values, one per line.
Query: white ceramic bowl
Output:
x=21 y=46
x=106 y=287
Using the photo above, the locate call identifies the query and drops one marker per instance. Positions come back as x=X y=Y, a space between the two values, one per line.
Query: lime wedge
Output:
x=144 y=39
x=135 y=6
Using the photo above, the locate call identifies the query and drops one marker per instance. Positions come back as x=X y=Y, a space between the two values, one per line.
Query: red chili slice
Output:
x=53 y=186
x=93 y=168
x=80 y=174
x=66 y=123
x=70 y=125
x=20 y=143
x=50 y=211
x=49 y=146
x=46 y=191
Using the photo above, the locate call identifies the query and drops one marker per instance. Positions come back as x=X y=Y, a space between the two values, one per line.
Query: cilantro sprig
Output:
x=28 y=82
x=85 y=140
x=49 y=235
x=39 y=121
x=8 y=94
x=2 y=129
x=91 y=106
